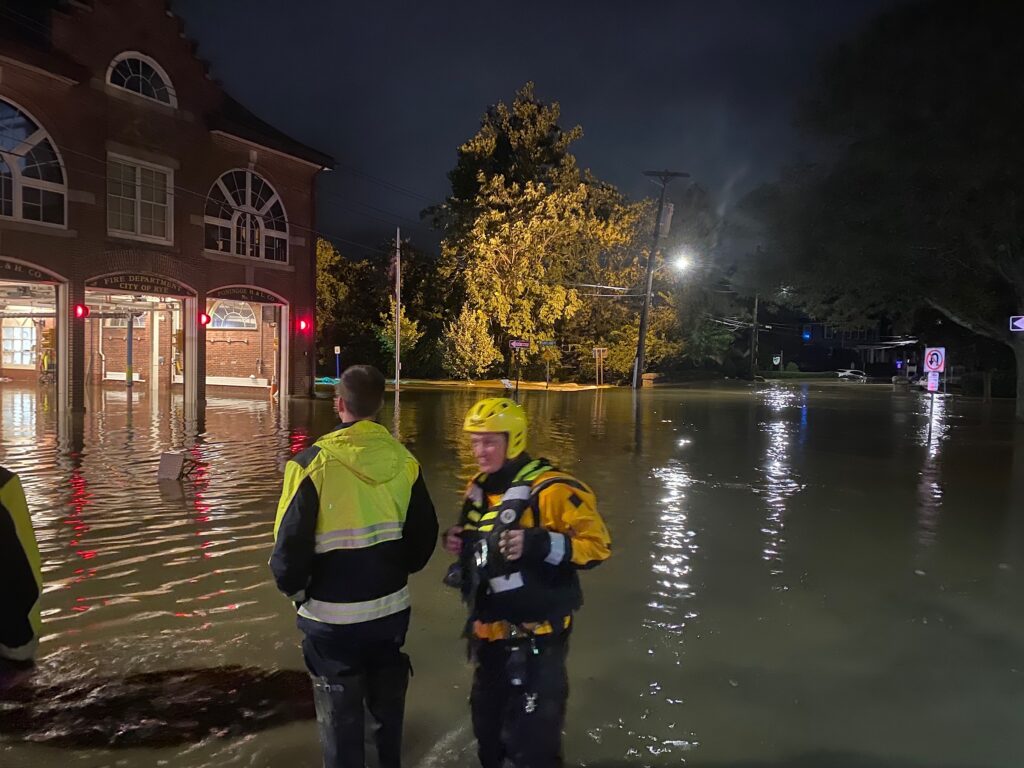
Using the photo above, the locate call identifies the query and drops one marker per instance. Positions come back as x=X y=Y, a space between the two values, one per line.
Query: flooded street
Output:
x=801 y=577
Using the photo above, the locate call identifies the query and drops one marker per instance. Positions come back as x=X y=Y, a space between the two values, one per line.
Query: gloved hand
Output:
x=530 y=544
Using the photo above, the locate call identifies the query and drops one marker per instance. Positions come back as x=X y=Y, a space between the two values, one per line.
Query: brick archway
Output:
x=145 y=261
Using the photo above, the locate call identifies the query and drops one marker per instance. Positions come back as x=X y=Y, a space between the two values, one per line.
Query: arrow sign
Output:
x=1017 y=324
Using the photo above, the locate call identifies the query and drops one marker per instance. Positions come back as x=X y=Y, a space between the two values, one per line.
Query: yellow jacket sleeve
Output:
x=570 y=508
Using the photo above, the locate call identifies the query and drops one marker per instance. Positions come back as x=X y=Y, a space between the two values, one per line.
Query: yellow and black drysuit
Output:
x=20 y=574
x=521 y=612
x=354 y=520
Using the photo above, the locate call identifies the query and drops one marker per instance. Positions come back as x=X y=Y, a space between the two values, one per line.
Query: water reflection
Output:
x=674 y=543
x=670 y=612
x=780 y=481
x=931 y=436
x=598 y=414
x=154 y=709
x=680 y=635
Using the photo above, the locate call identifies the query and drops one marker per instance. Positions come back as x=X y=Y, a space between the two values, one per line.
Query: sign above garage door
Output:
x=135 y=282
x=245 y=293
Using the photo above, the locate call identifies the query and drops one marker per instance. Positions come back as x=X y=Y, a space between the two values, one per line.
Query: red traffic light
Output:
x=303 y=325
x=204 y=319
x=81 y=311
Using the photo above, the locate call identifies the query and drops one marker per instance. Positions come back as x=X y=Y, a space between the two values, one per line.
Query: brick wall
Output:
x=229 y=352
x=86 y=119
x=239 y=352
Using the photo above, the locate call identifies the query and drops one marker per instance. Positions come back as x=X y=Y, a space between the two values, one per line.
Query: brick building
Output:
x=134 y=189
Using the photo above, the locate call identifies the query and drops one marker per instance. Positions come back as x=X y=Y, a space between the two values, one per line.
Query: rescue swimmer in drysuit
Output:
x=525 y=530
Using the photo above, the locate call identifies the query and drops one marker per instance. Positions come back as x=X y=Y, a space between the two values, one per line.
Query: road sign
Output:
x=935 y=359
x=337 y=350
x=933 y=381
x=547 y=342
x=1017 y=323
x=600 y=352
x=776 y=359
x=519 y=344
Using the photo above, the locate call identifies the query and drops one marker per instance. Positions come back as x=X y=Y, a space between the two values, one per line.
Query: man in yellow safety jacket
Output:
x=525 y=530
x=20 y=574
x=354 y=520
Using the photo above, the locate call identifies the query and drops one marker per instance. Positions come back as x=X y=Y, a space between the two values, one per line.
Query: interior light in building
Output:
x=204 y=319
x=81 y=311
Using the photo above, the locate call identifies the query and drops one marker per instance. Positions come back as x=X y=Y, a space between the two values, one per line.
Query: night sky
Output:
x=391 y=89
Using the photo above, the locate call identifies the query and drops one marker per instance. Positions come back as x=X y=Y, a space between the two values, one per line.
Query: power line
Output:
x=26 y=22
x=385 y=183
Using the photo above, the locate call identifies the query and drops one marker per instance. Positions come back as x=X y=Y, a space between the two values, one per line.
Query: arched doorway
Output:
x=33 y=332
x=247 y=342
x=142 y=331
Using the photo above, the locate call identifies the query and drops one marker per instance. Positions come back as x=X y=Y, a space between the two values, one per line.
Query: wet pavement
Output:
x=801 y=577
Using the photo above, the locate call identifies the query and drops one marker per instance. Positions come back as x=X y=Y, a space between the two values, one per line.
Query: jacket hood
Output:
x=367 y=449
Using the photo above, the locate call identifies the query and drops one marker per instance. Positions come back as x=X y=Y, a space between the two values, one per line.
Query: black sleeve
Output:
x=419 y=535
x=292 y=560
x=20 y=591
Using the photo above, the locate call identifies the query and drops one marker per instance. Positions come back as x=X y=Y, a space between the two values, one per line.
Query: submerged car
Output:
x=851 y=374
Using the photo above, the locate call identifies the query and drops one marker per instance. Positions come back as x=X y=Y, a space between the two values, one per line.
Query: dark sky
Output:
x=390 y=89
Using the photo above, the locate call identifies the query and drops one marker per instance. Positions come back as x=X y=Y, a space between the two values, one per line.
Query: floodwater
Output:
x=802 y=578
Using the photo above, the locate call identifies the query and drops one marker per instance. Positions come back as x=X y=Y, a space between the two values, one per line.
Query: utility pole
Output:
x=398 y=306
x=665 y=177
x=753 y=339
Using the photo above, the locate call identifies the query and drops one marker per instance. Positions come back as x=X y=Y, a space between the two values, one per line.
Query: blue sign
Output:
x=1017 y=324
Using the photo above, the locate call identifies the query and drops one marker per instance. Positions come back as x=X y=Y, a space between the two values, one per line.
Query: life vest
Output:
x=514 y=592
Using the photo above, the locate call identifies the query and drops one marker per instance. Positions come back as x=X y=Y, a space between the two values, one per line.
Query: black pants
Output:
x=349 y=674
x=521 y=723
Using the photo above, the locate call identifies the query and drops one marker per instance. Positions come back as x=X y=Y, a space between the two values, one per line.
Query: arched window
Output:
x=137 y=73
x=245 y=217
x=236 y=315
x=32 y=182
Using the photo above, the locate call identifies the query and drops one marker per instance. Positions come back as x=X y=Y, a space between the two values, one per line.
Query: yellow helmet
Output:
x=499 y=414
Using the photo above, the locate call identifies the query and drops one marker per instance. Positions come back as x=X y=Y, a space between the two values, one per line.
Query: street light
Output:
x=682 y=262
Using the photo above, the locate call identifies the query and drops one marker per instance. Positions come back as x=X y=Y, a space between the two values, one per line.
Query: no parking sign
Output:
x=935 y=359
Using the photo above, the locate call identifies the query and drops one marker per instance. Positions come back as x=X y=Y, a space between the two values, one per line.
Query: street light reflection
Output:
x=780 y=481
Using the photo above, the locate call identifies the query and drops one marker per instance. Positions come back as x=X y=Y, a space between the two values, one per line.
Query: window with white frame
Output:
x=139 y=199
x=235 y=315
x=33 y=186
x=245 y=217
x=122 y=322
x=139 y=74
x=19 y=343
